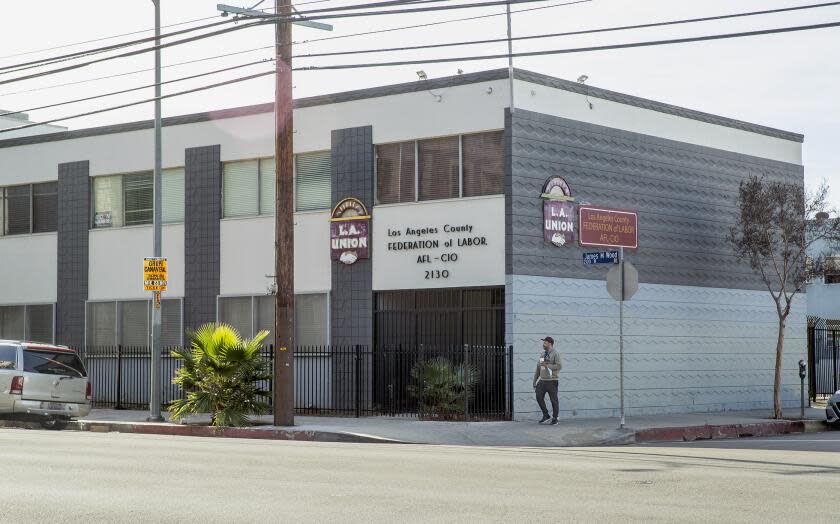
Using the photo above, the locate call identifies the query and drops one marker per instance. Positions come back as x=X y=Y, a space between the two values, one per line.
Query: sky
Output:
x=788 y=81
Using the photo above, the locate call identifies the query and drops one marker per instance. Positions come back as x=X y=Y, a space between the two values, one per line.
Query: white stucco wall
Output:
x=823 y=300
x=115 y=263
x=28 y=269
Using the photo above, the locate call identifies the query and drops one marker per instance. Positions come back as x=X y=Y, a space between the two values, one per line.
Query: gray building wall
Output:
x=700 y=333
x=202 y=212
x=72 y=232
x=351 y=299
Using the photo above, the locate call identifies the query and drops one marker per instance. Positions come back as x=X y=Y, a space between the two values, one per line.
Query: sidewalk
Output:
x=525 y=433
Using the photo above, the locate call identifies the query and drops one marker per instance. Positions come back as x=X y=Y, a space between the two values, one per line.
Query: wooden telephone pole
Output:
x=284 y=330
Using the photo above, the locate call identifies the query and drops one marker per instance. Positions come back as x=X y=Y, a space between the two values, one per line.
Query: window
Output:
x=267 y=179
x=248 y=188
x=395 y=172
x=8 y=357
x=138 y=191
x=52 y=363
x=483 y=163
x=312 y=181
x=27 y=322
x=439 y=168
x=433 y=169
x=172 y=182
x=129 y=323
x=128 y=200
x=250 y=315
x=31 y=208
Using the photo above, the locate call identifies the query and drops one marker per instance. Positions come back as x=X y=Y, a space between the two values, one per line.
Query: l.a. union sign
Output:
x=558 y=212
x=349 y=231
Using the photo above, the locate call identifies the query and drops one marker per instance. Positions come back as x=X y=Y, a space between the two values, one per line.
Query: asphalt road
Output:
x=89 y=477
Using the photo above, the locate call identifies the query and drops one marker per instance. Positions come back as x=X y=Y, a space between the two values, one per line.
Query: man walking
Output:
x=546 y=380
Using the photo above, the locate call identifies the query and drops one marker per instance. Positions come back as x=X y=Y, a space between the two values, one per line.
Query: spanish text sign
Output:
x=154 y=274
x=608 y=227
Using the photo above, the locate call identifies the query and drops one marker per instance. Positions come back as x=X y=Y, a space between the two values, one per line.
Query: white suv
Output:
x=43 y=382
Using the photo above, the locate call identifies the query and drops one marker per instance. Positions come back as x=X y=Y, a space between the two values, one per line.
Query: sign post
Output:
x=614 y=228
x=155 y=280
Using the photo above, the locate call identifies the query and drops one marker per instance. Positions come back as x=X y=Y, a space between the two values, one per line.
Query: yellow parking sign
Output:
x=154 y=274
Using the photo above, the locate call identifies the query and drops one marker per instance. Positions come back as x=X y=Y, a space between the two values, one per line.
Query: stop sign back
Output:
x=601 y=226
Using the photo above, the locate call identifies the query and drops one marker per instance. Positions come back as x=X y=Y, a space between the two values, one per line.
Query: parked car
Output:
x=42 y=382
x=832 y=409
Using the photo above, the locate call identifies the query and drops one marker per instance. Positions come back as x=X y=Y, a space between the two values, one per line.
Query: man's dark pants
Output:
x=550 y=387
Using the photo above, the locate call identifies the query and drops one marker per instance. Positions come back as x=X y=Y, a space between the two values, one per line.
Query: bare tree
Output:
x=779 y=229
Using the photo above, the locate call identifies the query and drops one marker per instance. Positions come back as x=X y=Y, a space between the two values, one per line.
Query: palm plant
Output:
x=221 y=375
x=442 y=388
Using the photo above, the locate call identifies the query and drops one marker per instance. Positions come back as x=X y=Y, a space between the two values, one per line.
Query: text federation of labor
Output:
x=431 y=244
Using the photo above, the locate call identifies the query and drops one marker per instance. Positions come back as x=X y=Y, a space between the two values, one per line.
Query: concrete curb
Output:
x=210 y=431
x=729 y=431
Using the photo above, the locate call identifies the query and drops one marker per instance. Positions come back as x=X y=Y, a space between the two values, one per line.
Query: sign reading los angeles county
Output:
x=154 y=274
x=601 y=226
x=558 y=212
x=349 y=231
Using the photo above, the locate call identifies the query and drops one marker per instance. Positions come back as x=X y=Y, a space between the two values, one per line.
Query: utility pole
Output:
x=284 y=233
x=284 y=239
x=155 y=381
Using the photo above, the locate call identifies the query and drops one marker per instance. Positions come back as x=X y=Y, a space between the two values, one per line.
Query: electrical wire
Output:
x=129 y=90
x=444 y=60
x=569 y=33
x=577 y=49
x=139 y=102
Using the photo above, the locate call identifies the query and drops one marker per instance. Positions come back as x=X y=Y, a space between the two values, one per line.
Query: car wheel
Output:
x=54 y=423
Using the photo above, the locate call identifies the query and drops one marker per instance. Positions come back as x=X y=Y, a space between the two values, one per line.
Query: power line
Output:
x=129 y=90
x=139 y=102
x=364 y=33
x=568 y=33
x=576 y=49
x=88 y=52
x=328 y=16
x=133 y=53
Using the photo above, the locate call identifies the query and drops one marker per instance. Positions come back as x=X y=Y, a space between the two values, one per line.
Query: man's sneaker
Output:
x=545 y=417
x=554 y=422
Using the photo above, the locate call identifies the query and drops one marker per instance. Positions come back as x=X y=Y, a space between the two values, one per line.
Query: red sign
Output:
x=608 y=227
x=558 y=212
x=349 y=231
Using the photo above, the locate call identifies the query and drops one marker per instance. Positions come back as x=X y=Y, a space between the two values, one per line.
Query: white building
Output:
x=460 y=175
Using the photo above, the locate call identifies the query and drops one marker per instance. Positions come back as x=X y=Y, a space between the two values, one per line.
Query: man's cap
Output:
x=549 y=340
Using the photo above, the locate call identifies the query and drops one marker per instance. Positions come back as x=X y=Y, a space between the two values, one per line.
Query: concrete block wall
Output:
x=72 y=252
x=202 y=212
x=700 y=333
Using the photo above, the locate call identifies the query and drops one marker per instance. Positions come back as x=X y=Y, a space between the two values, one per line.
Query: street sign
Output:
x=631 y=281
x=154 y=274
x=601 y=226
x=600 y=257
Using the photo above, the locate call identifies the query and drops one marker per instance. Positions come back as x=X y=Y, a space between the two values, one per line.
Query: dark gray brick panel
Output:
x=72 y=232
x=351 y=300
x=685 y=195
x=202 y=212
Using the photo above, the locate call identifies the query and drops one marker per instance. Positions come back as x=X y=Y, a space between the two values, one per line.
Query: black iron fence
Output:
x=824 y=361
x=449 y=383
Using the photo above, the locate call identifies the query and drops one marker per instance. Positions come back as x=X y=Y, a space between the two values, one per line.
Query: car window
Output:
x=52 y=363
x=8 y=357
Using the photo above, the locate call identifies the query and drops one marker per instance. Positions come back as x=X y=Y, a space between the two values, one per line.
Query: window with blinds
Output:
x=134 y=323
x=267 y=186
x=44 y=207
x=172 y=194
x=439 y=165
x=312 y=181
x=18 y=210
x=2 y=211
x=483 y=164
x=101 y=325
x=171 y=331
x=395 y=173
x=240 y=188
x=265 y=317
x=108 y=201
x=39 y=323
x=138 y=190
x=311 y=320
x=237 y=312
x=12 y=324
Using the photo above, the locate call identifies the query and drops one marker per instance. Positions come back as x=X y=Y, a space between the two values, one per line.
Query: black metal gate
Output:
x=823 y=361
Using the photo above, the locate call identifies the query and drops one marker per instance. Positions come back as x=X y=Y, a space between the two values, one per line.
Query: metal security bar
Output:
x=428 y=382
x=824 y=361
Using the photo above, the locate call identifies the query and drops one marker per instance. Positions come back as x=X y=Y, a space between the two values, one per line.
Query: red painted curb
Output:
x=691 y=433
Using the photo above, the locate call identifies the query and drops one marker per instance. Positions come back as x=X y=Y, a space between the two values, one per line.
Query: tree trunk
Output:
x=777 y=383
